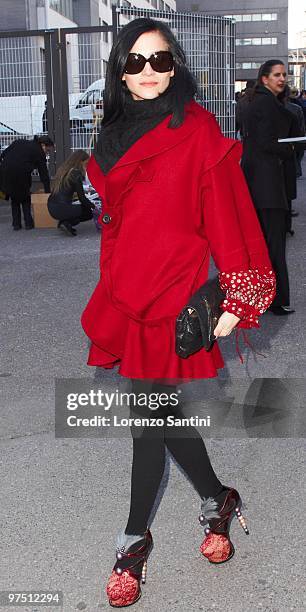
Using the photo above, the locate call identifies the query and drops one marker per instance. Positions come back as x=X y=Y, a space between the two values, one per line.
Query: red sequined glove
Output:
x=248 y=294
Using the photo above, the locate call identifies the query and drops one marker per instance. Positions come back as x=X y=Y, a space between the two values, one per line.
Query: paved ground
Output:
x=63 y=500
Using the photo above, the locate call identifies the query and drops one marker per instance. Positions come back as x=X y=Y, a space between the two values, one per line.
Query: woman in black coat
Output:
x=69 y=181
x=17 y=164
x=265 y=165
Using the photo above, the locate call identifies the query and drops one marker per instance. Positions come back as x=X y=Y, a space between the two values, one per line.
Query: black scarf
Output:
x=138 y=117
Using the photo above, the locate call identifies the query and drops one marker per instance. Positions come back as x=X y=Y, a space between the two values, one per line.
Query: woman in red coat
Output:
x=173 y=194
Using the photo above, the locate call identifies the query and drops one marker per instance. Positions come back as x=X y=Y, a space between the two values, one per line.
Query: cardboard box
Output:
x=42 y=218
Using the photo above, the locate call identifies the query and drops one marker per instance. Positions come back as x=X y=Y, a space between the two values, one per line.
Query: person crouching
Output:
x=68 y=181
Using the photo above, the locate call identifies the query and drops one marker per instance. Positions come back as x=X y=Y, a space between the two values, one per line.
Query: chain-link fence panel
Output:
x=23 y=91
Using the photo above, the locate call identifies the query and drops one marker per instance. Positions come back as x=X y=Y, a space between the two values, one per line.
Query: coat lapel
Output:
x=146 y=147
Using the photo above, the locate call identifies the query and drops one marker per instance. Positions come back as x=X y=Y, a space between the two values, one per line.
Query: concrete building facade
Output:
x=36 y=14
x=261 y=30
x=22 y=60
x=93 y=50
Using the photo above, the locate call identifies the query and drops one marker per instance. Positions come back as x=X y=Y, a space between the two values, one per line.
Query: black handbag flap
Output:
x=196 y=323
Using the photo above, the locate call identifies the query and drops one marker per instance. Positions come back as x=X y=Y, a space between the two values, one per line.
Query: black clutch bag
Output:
x=196 y=323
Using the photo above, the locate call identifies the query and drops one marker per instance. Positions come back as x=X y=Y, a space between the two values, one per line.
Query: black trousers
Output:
x=288 y=217
x=66 y=211
x=83 y=213
x=273 y=224
x=299 y=157
x=26 y=209
x=149 y=450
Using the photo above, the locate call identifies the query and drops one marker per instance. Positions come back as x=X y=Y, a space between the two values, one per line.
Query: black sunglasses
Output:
x=160 y=61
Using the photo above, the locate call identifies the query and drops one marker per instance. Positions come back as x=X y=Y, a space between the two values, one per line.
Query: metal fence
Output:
x=87 y=52
x=52 y=81
x=46 y=86
x=23 y=89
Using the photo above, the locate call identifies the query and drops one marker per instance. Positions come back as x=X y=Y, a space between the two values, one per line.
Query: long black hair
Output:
x=184 y=83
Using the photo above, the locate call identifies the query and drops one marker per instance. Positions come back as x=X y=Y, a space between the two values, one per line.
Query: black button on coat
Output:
x=106 y=219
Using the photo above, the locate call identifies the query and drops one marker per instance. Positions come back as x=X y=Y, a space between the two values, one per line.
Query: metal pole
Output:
x=65 y=95
x=46 y=14
x=57 y=97
x=115 y=21
x=49 y=95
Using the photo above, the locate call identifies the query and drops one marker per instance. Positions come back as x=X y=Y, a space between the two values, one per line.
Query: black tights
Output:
x=149 y=445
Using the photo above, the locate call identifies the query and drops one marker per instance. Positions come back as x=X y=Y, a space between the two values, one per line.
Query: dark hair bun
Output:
x=46 y=140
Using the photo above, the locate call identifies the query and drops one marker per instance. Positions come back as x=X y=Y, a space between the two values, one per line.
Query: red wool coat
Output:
x=175 y=197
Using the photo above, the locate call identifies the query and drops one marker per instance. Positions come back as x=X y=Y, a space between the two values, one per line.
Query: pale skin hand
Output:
x=226 y=324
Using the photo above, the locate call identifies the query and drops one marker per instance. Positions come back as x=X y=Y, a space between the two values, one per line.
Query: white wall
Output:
x=56 y=20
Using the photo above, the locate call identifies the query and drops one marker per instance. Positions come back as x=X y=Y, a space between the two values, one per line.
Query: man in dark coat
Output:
x=292 y=166
x=295 y=97
x=242 y=107
x=302 y=101
x=295 y=105
x=17 y=164
x=263 y=163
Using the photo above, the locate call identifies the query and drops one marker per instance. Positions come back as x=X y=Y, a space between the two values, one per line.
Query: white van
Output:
x=23 y=114
x=82 y=112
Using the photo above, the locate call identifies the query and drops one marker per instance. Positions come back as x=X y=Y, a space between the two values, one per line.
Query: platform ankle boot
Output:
x=132 y=552
x=216 y=518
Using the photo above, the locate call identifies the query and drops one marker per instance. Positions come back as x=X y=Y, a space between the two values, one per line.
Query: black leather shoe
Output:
x=291 y=232
x=16 y=228
x=280 y=311
x=288 y=309
x=294 y=214
x=65 y=225
x=72 y=231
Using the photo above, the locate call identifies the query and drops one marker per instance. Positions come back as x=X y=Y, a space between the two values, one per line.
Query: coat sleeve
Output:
x=265 y=134
x=77 y=183
x=43 y=173
x=297 y=130
x=301 y=121
x=236 y=241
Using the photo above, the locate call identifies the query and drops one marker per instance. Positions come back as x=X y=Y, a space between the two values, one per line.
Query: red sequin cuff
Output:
x=248 y=294
x=247 y=314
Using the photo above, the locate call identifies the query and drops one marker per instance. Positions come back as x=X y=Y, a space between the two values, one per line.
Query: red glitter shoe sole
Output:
x=123 y=590
x=123 y=587
x=217 y=546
